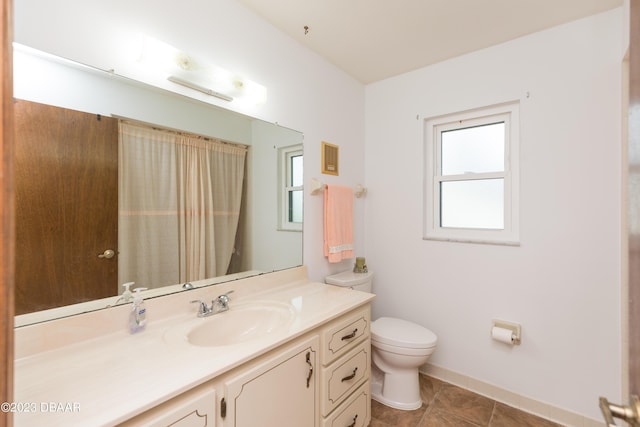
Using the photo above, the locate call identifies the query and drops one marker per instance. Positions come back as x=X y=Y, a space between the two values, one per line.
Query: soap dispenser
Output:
x=138 y=314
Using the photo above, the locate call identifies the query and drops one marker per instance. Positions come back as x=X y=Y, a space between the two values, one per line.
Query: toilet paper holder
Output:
x=515 y=328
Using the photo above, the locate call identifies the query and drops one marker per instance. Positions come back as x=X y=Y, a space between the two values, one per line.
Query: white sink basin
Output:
x=241 y=323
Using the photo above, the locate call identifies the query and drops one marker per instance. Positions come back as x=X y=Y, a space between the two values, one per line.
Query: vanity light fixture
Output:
x=197 y=73
x=199 y=88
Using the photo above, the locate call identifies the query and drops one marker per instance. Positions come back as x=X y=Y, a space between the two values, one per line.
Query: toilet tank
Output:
x=349 y=279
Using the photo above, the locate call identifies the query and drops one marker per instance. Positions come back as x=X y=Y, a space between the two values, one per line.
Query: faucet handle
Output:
x=224 y=299
x=203 y=309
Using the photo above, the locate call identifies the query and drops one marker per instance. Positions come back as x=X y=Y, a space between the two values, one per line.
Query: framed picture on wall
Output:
x=329 y=159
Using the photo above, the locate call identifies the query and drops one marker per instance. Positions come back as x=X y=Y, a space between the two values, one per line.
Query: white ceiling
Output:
x=375 y=39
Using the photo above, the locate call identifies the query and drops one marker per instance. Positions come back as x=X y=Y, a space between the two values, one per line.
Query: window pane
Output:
x=296 y=171
x=475 y=149
x=295 y=206
x=472 y=204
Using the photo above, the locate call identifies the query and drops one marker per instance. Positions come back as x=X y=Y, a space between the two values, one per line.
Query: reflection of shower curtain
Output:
x=180 y=198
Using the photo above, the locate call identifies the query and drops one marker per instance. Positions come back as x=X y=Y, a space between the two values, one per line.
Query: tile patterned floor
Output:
x=446 y=405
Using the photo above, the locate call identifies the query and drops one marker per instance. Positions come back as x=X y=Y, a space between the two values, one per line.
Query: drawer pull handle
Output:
x=310 y=368
x=352 y=376
x=351 y=335
x=353 y=424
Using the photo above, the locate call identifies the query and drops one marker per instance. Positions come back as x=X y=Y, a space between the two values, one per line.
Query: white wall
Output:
x=563 y=282
x=305 y=92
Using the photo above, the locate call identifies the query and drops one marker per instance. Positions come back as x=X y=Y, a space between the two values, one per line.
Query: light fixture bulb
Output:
x=184 y=61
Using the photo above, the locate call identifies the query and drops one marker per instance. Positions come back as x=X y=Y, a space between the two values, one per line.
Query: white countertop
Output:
x=107 y=378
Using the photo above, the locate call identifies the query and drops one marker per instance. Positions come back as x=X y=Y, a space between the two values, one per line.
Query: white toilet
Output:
x=399 y=348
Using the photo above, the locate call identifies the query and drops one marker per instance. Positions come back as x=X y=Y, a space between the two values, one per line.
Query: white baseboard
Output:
x=541 y=409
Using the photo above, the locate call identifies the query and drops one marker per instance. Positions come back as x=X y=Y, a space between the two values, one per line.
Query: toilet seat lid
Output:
x=402 y=333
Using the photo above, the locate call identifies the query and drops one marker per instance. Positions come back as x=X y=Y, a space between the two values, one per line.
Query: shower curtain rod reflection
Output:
x=177 y=131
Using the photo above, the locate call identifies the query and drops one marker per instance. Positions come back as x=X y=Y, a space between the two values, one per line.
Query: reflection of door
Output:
x=66 y=189
x=631 y=411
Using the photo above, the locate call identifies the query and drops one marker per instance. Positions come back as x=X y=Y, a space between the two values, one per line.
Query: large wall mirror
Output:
x=49 y=92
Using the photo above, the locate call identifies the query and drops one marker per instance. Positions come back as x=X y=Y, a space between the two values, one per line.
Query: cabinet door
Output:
x=279 y=391
x=195 y=408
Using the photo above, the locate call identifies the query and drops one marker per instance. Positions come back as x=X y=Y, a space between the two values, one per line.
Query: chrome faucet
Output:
x=218 y=305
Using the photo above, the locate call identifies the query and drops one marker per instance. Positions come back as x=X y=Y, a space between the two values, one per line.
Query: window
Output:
x=291 y=184
x=471 y=176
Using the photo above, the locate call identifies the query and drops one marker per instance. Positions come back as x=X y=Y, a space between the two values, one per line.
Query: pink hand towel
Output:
x=338 y=223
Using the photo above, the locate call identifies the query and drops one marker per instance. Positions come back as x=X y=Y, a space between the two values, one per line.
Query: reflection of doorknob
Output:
x=108 y=254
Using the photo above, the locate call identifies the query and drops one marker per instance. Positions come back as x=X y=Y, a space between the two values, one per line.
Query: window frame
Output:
x=284 y=156
x=433 y=128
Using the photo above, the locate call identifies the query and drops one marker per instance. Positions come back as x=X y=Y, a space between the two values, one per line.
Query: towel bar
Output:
x=318 y=187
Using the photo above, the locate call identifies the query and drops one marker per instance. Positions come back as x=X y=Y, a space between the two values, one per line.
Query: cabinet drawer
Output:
x=344 y=334
x=344 y=376
x=355 y=412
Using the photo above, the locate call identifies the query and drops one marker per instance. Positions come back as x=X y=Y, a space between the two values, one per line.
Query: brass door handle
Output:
x=629 y=413
x=350 y=377
x=351 y=335
x=310 y=368
x=108 y=254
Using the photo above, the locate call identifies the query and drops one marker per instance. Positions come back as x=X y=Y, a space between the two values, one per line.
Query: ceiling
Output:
x=375 y=39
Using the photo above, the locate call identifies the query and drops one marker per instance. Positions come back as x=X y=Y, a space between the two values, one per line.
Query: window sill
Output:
x=290 y=229
x=473 y=240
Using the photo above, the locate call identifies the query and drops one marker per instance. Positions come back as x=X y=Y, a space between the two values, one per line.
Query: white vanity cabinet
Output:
x=346 y=369
x=277 y=390
x=320 y=379
x=312 y=372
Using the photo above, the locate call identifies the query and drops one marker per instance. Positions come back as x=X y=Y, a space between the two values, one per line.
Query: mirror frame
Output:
x=6 y=213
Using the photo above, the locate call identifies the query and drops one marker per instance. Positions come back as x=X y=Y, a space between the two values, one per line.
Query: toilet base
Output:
x=377 y=385
x=378 y=397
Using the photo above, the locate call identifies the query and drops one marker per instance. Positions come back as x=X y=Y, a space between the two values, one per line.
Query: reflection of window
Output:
x=471 y=191
x=291 y=184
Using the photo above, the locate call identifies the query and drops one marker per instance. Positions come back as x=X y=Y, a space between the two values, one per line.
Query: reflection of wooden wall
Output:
x=6 y=213
x=66 y=189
